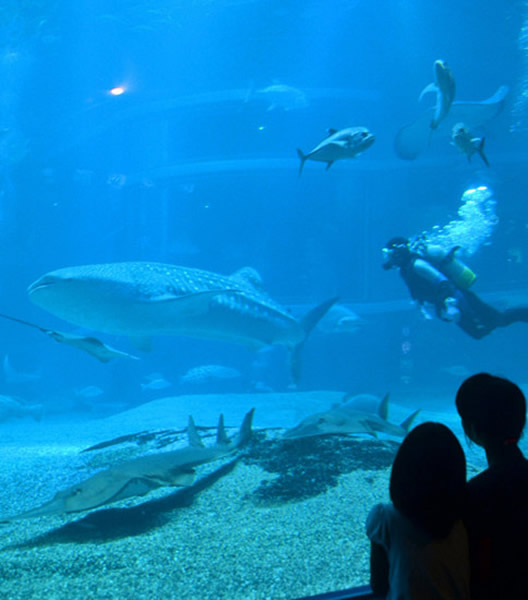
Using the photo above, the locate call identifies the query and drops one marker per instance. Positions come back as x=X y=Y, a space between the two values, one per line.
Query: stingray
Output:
x=414 y=138
x=92 y=345
x=139 y=476
x=355 y=415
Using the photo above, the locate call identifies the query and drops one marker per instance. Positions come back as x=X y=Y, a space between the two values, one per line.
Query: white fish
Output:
x=156 y=381
x=462 y=139
x=339 y=145
x=90 y=391
x=283 y=96
x=444 y=87
x=208 y=373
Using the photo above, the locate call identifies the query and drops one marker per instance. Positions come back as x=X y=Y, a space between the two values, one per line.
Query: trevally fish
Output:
x=444 y=87
x=142 y=299
x=340 y=144
x=462 y=139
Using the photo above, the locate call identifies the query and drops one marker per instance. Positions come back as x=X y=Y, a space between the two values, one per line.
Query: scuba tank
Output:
x=452 y=267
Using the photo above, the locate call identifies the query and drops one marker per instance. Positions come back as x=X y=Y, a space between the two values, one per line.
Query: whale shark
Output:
x=355 y=415
x=143 y=299
x=139 y=476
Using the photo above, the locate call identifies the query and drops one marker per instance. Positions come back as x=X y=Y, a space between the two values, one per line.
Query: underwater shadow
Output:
x=108 y=524
x=307 y=467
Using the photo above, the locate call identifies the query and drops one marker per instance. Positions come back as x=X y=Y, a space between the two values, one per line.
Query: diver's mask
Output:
x=396 y=253
x=387 y=258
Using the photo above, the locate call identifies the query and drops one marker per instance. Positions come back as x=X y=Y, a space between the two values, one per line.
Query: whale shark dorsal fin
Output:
x=406 y=423
x=192 y=435
x=383 y=408
x=249 y=275
x=221 y=436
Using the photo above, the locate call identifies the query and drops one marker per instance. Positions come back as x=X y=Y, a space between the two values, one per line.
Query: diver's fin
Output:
x=308 y=322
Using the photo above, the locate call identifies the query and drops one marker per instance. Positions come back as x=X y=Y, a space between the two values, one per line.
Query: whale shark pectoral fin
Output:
x=431 y=87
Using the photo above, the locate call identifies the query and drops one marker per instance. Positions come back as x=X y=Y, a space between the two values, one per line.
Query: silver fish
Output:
x=340 y=144
x=283 y=96
x=142 y=299
x=444 y=87
x=208 y=374
x=462 y=139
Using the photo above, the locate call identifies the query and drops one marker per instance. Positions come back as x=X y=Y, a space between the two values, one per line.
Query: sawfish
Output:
x=414 y=138
x=356 y=414
x=142 y=299
x=139 y=476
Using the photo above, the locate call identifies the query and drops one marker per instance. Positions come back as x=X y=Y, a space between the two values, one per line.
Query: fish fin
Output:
x=431 y=87
x=383 y=408
x=192 y=435
x=221 y=436
x=244 y=433
x=368 y=429
x=480 y=150
x=406 y=423
x=331 y=131
x=329 y=164
x=308 y=322
x=303 y=158
x=143 y=343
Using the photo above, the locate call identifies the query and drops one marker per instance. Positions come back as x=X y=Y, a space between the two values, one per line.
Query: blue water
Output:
x=195 y=164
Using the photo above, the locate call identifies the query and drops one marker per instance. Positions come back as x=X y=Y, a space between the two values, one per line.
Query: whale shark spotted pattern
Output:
x=142 y=299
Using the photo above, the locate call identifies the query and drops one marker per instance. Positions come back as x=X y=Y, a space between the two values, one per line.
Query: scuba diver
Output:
x=438 y=278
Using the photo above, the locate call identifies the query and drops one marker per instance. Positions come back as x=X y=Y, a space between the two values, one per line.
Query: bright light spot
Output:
x=261 y=128
x=470 y=191
x=481 y=188
x=117 y=91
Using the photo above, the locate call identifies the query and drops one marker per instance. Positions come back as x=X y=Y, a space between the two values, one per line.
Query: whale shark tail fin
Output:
x=308 y=322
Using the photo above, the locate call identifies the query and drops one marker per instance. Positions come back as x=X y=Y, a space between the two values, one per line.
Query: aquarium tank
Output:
x=209 y=352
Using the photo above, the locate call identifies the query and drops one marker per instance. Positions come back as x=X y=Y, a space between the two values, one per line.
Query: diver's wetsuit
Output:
x=477 y=318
